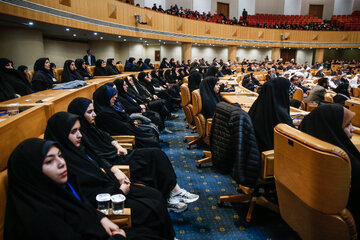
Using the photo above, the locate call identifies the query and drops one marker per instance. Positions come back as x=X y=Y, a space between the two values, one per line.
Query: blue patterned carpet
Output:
x=204 y=219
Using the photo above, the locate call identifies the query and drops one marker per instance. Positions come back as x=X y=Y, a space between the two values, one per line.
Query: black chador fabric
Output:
x=148 y=212
x=150 y=166
x=326 y=123
x=194 y=81
x=43 y=79
x=169 y=77
x=269 y=109
x=99 y=71
x=6 y=90
x=39 y=208
x=131 y=105
x=117 y=122
x=146 y=84
x=68 y=75
x=110 y=68
x=211 y=72
x=14 y=77
x=80 y=70
x=157 y=79
x=209 y=98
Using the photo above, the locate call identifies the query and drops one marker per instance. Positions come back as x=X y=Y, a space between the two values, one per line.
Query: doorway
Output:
x=223 y=8
x=287 y=54
x=316 y=10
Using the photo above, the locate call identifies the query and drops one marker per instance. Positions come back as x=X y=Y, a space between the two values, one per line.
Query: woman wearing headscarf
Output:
x=194 y=81
x=113 y=119
x=100 y=68
x=212 y=72
x=250 y=82
x=146 y=65
x=269 y=109
x=131 y=106
x=43 y=77
x=95 y=176
x=52 y=68
x=342 y=93
x=158 y=80
x=6 y=90
x=209 y=91
x=332 y=123
x=169 y=77
x=69 y=74
x=45 y=201
x=17 y=80
x=130 y=65
x=150 y=166
x=81 y=69
x=23 y=71
x=111 y=68
x=164 y=63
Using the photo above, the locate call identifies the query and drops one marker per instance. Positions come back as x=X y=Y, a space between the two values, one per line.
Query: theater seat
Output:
x=312 y=182
x=3 y=186
x=58 y=74
x=354 y=106
x=91 y=70
x=298 y=94
x=186 y=104
x=30 y=75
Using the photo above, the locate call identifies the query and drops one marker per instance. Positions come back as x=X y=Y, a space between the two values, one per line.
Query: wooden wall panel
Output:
x=167 y=23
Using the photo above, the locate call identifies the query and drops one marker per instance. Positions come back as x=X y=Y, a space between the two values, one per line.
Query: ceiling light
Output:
x=67 y=29
x=31 y=23
x=124 y=40
x=74 y=35
x=101 y=38
x=119 y=36
x=140 y=38
x=159 y=40
x=95 y=33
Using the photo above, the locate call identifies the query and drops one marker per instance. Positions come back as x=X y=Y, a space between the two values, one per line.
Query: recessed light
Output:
x=101 y=38
x=74 y=35
x=146 y=41
x=124 y=40
x=159 y=40
x=67 y=29
x=119 y=36
x=177 y=42
x=31 y=23
x=95 y=33
x=140 y=38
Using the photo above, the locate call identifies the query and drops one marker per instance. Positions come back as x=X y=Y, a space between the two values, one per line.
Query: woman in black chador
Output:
x=194 y=81
x=100 y=68
x=332 y=123
x=82 y=69
x=43 y=77
x=45 y=202
x=69 y=74
x=111 y=68
x=269 y=109
x=148 y=209
x=113 y=119
x=209 y=91
x=13 y=77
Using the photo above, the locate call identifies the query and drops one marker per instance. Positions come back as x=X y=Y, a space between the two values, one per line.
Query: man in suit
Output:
x=244 y=15
x=89 y=58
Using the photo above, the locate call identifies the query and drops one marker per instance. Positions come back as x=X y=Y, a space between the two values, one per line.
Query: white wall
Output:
x=60 y=51
x=171 y=51
x=249 y=5
x=328 y=7
x=343 y=7
x=356 y=6
x=137 y=50
x=202 y=5
x=233 y=7
x=303 y=55
x=253 y=53
x=150 y=3
x=269 y=6
x=150 y=52
x=209 y=53
x=141 y=2
x=183 y=3
x=292 y=7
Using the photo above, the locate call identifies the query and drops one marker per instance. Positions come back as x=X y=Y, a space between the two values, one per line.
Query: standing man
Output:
x=89 y=58
x=244 y=15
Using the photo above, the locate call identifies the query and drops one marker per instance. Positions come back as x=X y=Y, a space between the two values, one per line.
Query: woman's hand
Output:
x=125 y=187
x=120 y=176
x=111 y=228
x=121 y=150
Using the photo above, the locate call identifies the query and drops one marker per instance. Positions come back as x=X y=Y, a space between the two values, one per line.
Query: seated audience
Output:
x=100 y=68
x=43 y=77
x=209 y=91
x=250 y=82
x=69 y=72
x=164 y=63
x=130 y=65
x=81 y=69
x=342 y=93
x=317 y=94
x=7 y=92
x=332 y=123
x=24 y=70
x=111 y=68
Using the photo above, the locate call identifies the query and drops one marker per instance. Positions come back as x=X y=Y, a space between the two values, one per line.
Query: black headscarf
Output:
x=145 y=83
x=169 y=76
x=342 y=93
x=68 y=75
x=39 y=208
x=326 y=123
x=110 y=68
x=40 y=65
x=21 y=69
x=80 y=70
x=209 y=98
x=6 y=90
x=194 y=81
x=212 y=71
x=99 y=71
x=269 y=109
x=43 y=79
x=14 y=77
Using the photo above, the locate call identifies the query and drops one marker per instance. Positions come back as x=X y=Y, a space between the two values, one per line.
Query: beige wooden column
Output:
x=232 y=53
x=275 y=53
x=186 y=51
x=319 y=55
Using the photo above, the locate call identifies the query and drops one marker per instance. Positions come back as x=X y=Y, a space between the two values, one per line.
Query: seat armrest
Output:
x=124 y=139
x=208 y=126
x=267 y=164
x=123 y=220
x=125 y=169
x=128 y=146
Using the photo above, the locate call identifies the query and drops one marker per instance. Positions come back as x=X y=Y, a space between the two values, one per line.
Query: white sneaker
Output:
x=174 y=205
x=167 y=131
x=184 y=196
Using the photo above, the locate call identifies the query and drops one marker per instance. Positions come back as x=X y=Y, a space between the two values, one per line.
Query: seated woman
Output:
x=82 y=69
x=45 y=201
x=7 y=92
x=52 y=68
x=24 y=73
x=95 y=176
x=114 y=120
x=164 y=63
x=342 y=93
x=209 y=91
x=14 y=78
x=269 y=109
x=194 y=81
x=100 y=69
x=332 y=123
x=131 y=106
x=130 y=65
x=111 y=68
x=69 y=74
x=43 y=77
x=149 y=166
x=250 y=82
x=158 y=80
x=212 y=72
x=169 y=77
x=146 y=65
